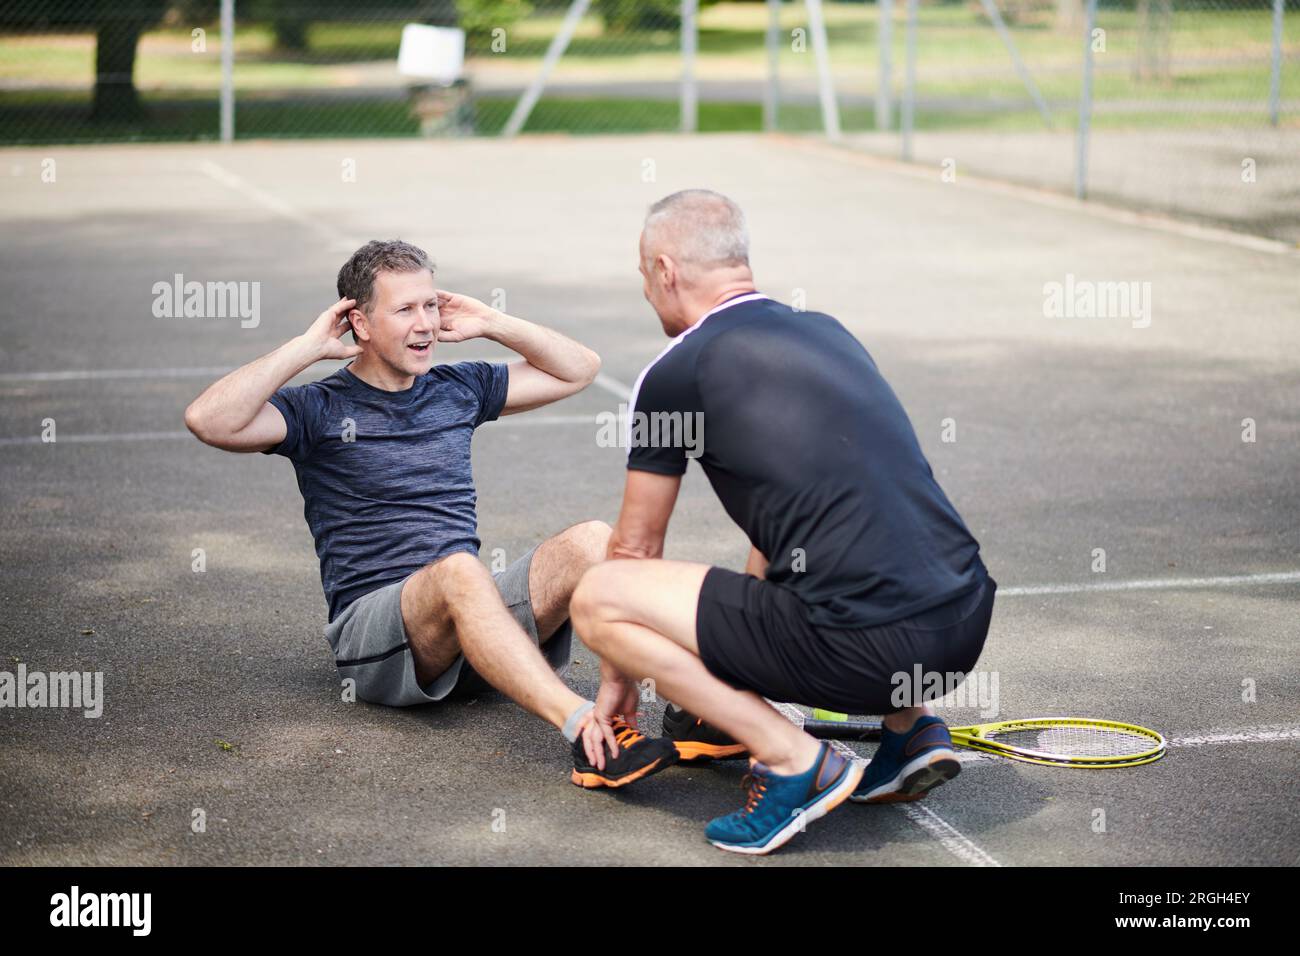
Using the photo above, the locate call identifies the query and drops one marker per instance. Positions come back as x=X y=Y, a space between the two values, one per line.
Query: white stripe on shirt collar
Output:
x=747 y=297
x=636 y=389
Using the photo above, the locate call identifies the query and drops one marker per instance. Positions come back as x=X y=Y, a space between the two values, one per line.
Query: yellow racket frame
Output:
x=974 y=737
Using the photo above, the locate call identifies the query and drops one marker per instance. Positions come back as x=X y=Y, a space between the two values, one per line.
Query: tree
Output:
x=117 y=27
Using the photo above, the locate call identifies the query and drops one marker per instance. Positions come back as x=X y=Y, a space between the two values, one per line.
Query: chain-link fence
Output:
x=1188 y=105
x=1185 y=106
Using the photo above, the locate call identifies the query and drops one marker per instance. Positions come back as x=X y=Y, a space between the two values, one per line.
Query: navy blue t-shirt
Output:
x=385 y=476
x=811 y=454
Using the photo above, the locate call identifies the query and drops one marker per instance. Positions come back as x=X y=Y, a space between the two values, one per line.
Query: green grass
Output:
x=31 y=120
x=960 y=57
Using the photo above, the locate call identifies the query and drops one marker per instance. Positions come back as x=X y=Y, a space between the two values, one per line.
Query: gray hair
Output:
x=703 y=229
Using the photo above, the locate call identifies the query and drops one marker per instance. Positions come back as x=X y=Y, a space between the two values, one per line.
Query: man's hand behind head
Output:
x=325 y=334
x=462 y=317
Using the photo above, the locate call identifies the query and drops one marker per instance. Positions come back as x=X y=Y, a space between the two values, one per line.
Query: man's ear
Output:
x=357 y=320
x=667 y=270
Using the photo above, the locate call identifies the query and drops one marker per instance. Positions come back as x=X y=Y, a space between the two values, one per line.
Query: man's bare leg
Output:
x=558 y=566
x=640 y=616
x=452 y=607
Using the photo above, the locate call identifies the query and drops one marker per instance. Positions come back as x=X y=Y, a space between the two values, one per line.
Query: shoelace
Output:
x=626 y=735
x=755 y=783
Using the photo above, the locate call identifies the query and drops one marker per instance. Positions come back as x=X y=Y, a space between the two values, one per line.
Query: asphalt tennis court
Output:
x=1071 y=435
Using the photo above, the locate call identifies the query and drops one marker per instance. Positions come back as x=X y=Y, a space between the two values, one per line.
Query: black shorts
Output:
x=756 y=635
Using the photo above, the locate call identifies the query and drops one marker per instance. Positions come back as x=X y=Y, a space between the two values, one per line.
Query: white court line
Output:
x=93 y=439
x=1246 y=735
x=512 y=421
x=278 y=206
x=90 y=374
x=613 y=386
x=952 y=839
x=1156 y=584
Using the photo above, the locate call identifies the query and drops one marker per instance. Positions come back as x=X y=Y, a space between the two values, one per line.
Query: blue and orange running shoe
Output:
x=779 y=806
x=909 y=765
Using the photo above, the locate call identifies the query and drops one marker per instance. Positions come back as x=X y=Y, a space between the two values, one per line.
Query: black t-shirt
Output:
x=812 y=455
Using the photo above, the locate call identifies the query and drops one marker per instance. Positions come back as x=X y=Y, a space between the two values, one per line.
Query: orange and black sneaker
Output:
x=638 y=756
x=696 y=740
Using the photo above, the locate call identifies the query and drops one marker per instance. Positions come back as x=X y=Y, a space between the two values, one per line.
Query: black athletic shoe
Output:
x=638 y=756
x=697 y=740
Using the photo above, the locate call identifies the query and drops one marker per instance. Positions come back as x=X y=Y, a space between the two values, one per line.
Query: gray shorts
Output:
x=370 y=644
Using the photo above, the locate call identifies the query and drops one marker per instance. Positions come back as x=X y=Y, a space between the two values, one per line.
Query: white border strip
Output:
x=1246 y=735
x=92 y=374
x=1156 y=584
x=511 y=421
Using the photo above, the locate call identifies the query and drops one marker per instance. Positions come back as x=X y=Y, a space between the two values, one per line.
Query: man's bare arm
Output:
x=757 y=564
x=233 y=413
x=554 y=365
x=642 y=525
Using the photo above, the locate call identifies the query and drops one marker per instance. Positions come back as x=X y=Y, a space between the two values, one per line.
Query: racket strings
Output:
x=1076 y=741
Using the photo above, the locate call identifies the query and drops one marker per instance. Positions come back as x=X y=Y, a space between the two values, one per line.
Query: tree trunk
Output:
x=290 y=35
x=115 y=94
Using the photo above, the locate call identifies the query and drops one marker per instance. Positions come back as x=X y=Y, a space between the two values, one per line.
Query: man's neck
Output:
x=711 y=300
x=379 y=375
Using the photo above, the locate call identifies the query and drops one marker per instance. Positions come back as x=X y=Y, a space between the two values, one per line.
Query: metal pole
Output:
x=909 y=79
x=884 y=92
x=690 y=41
x=1275 y=83
x=524 y=107
x=1085 y=107
x=772 y=94
x=227 y=71
x=825 y=85
x=991 y=9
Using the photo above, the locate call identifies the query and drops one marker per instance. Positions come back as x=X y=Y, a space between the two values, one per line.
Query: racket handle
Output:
x=842 y=729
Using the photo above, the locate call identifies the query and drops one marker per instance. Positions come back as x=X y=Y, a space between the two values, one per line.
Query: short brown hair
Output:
x=357 y=277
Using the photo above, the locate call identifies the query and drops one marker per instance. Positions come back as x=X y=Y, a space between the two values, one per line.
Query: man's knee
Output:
x=458 y=576
x=588 y=606
x=589 y=540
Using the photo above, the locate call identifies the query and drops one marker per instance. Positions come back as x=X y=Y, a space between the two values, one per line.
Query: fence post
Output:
x=690 y=38
x=1275 y=82
x=1085 y=107
x=909 y=80
x=772 y=92
x=885 y=38
x=227 y=71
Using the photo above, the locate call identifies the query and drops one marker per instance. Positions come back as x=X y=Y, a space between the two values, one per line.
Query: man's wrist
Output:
x=304 y=350
x=497 y=325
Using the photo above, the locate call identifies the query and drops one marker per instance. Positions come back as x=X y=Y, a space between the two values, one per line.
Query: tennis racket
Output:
x=1052 y=741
